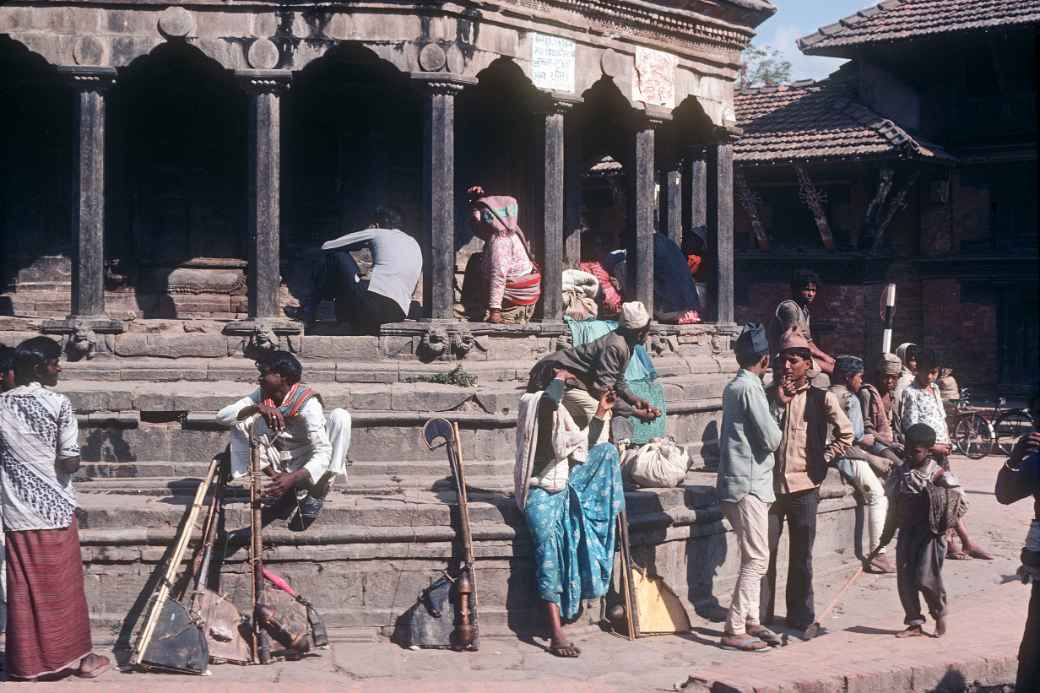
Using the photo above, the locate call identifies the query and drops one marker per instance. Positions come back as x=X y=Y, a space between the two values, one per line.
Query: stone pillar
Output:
x=641 y=179
x=88 y=212
x=695 y=189
x=439 y=193
x=87 y=316
x=265 y=89
x=720 y=225
x=572 y=202
x=671 y=205
x=551 y=141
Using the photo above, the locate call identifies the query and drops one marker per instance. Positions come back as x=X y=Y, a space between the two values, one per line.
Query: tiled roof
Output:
x=898 y=20
x=818 y=120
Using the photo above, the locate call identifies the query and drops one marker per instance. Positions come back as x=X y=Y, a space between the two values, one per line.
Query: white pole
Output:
x=889 y=317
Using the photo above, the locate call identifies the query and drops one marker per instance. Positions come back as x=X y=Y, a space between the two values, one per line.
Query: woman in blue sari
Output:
x=573 y=496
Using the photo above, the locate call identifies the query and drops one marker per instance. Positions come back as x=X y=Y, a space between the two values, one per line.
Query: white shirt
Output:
x=37 y=429
x=304 y=442
x=396 y=258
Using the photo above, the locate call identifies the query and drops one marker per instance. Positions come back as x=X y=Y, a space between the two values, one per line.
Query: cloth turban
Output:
x=890 y=365
x=633 y=316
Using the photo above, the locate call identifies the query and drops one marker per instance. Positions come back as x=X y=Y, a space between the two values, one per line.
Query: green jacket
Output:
x=749 y=437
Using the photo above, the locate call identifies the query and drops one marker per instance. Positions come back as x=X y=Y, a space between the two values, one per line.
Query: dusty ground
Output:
x=859 y=653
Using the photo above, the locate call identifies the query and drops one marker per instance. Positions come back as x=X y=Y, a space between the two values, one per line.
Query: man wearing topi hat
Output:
x=598 y=366
x=806 y=416
x=745 y=486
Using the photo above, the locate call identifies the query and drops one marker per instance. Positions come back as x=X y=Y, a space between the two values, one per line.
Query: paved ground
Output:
x=859 y=654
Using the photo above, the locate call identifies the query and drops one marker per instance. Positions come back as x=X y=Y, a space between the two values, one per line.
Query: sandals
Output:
x=765 y=635
x=911 y=632
x=743 y=643
x=101 y=665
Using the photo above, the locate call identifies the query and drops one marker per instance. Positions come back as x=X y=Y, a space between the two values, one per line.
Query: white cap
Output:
x=633 y=316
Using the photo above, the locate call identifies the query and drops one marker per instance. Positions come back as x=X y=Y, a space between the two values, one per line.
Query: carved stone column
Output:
x=551 y=144
x=720 y=224
x=265 y=89
x=439 y=193
x=641 y=179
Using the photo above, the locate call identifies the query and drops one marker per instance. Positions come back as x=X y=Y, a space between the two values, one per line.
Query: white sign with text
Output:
x=552 y=63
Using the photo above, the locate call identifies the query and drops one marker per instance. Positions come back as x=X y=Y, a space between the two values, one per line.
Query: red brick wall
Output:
x=847 y=317
x=977 y=344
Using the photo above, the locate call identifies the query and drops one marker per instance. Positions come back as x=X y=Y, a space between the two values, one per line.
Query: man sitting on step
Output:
x=310 y=448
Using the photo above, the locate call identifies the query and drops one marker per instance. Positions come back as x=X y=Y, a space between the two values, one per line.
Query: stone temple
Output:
x=170 y=171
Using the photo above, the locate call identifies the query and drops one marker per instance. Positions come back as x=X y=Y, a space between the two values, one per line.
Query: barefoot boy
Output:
x=923 y=507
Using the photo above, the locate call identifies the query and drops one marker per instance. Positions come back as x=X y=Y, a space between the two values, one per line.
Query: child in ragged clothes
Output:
x=925 y=502
x=921 y=403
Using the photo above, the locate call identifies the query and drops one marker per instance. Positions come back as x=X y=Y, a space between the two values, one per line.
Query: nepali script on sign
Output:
x=655 y=82
x=552 y=63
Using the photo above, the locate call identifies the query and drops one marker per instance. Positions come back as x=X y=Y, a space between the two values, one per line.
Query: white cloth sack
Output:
x=579 y=295
x=658 y=464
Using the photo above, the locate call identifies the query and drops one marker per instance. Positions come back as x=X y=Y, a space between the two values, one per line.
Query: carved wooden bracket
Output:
x=878 y=203
x=815 y=199
x=898 y=202
x=749 y=201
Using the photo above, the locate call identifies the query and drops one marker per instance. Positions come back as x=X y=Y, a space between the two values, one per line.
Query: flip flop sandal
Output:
x=915 y=632
x=748 y=644
x=97 y=671
x=765 y=635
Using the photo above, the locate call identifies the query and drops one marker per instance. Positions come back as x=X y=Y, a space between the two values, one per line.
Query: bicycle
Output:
x=1011 y=425
x=973 y=433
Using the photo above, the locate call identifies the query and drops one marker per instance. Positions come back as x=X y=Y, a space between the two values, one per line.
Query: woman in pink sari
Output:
x=509 y=282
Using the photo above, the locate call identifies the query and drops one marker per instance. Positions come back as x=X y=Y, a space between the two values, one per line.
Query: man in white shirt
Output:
x=387 y=294
x=305 y=449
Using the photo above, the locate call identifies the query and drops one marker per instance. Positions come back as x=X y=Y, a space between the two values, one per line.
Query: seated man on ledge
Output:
x=305 y=449
x=598 y=366
x=387 y=293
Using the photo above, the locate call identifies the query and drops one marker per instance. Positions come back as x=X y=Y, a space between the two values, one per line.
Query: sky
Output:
x=797 y=18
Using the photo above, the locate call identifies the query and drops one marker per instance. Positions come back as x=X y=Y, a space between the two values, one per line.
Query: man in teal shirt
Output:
x=745 y=485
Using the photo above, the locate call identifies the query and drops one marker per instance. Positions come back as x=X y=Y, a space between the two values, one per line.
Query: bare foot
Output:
x=93 y=666
x=940 y=626
x=976 y=552
x=563 y=648
x=911 y=632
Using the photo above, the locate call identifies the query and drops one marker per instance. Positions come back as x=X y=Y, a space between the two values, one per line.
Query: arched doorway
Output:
x=176 y=155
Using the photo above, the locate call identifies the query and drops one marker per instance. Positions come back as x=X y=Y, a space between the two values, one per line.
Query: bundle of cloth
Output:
x=579 y=295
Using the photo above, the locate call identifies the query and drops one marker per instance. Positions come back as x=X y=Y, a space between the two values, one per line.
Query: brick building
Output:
x=915 y=162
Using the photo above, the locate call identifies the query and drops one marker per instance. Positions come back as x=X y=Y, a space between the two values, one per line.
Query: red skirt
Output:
x=48 y=627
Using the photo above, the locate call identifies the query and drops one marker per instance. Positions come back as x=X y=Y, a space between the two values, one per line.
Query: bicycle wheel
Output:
x=1010 y=426
x=974 y=436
